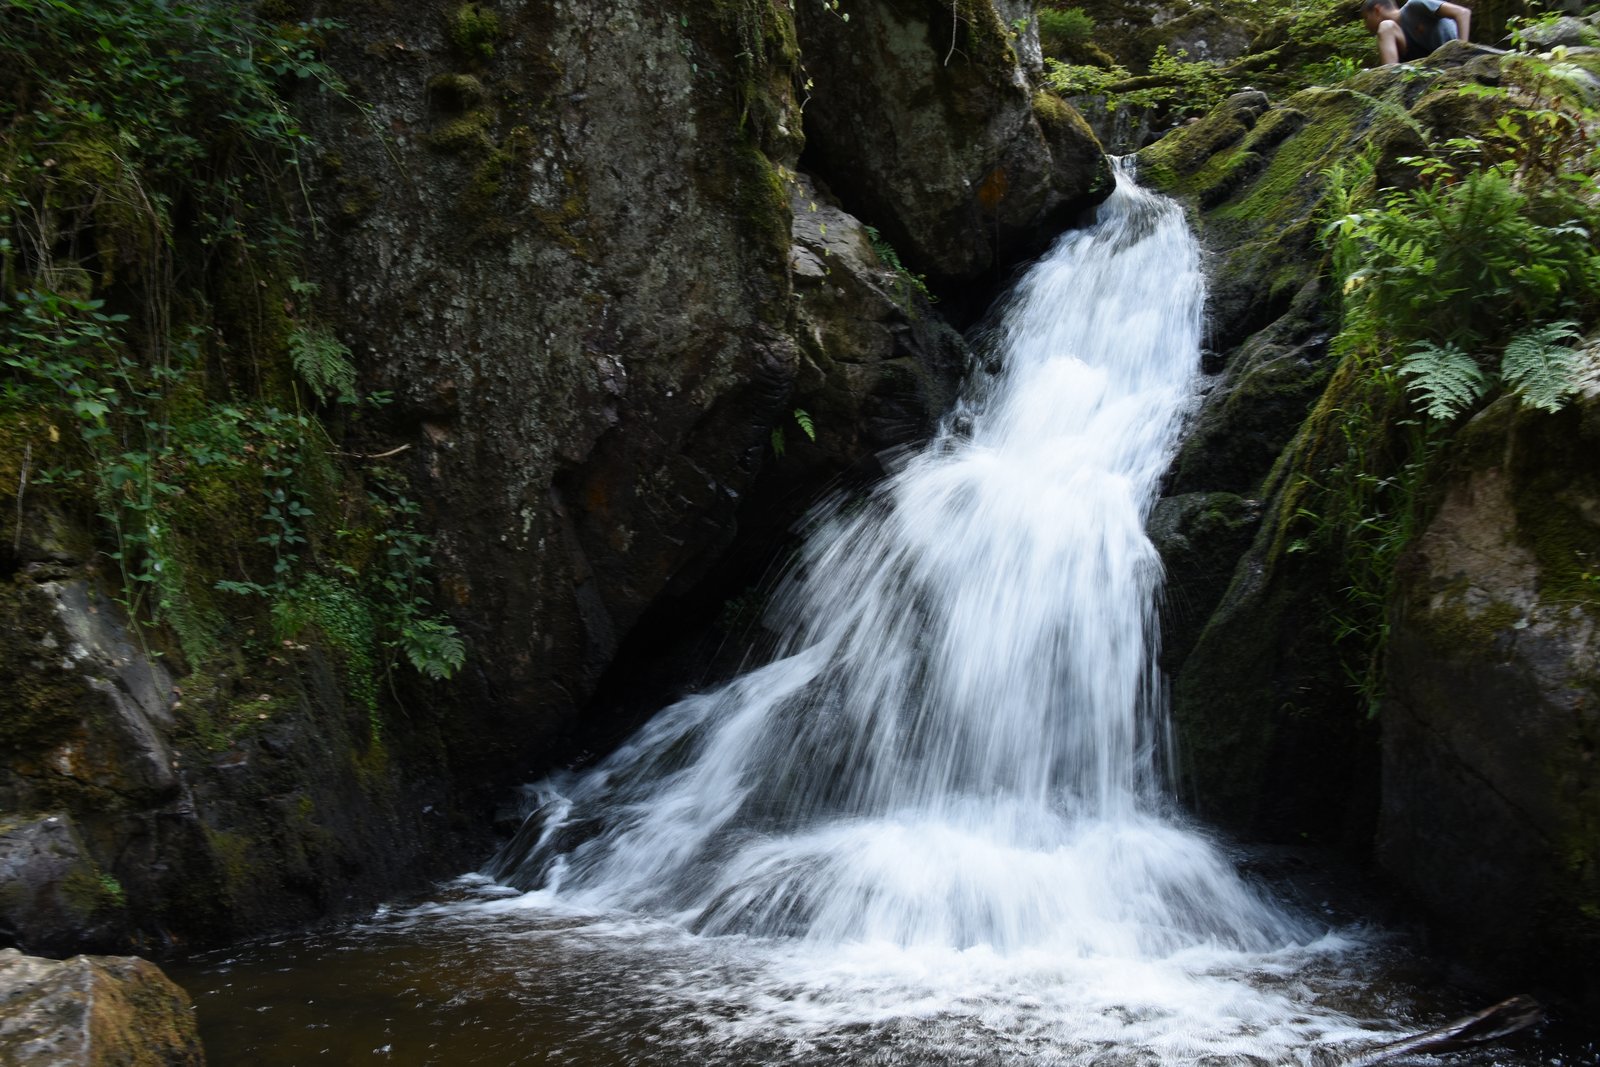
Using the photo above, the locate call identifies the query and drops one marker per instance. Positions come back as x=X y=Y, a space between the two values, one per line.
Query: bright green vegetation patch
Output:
x=1477 y=280
x=474 y=30
x=1291 y=45
x=165 y=374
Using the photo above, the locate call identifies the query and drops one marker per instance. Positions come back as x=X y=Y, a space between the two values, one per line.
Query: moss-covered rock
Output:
x=1493 y=722
x=1272 y=742
x=93 y=1011
x=1480 y=786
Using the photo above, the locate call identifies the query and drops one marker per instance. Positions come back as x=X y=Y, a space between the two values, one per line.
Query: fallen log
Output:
x=1491 y=1024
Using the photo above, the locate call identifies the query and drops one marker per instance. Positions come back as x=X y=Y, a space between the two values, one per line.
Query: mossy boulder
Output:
x=1491 y=800
x=93 y=1011
x=1272 y=741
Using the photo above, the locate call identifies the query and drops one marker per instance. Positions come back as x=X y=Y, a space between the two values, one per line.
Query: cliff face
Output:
x=598 y=311
x=572 y=264
x=569 y=262
x=1380 y=622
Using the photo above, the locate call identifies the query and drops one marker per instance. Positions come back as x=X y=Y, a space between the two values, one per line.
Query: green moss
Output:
x=455 y=91
x=1456 y=628
x=88 y=892
x=1556 y=491
x=765 y=60
x=466 y=135
x=979 y=37
x=236 y=870
x=475 y=30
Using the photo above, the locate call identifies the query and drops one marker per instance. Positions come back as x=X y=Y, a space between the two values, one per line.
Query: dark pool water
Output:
x=485 y=977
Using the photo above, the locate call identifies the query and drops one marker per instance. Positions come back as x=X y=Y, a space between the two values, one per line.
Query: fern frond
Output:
x=434 y=648
x=1541 y=365
x=1443 y=378
x=322 y=361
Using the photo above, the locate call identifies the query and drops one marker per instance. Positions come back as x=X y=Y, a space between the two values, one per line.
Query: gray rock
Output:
x=99 y=705
x=925 y=124
x=53 y=898
x=1565 y=32
x=93 y=1011
x=1491 y=794
x=879 y=366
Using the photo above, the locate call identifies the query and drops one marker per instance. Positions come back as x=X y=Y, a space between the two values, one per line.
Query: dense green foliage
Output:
x=1292 y=45
x=1481 y=278
x=164 y=371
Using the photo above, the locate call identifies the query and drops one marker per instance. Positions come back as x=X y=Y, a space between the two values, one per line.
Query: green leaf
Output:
x=1444 y=378
x=1541 y=366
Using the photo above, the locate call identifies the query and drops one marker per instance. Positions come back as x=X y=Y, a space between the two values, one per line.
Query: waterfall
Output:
x=957 y=743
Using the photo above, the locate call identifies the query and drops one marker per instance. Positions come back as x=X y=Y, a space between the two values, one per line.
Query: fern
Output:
x=323 y=361
x=434 y=648
x=1542 y=367
x=802 y=418
x=1444 y=378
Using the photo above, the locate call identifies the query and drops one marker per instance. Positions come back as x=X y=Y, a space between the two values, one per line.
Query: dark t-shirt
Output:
x=1425 y=30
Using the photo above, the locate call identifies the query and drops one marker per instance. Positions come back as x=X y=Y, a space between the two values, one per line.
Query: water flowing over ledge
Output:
x=946 y=784
x=932 y=829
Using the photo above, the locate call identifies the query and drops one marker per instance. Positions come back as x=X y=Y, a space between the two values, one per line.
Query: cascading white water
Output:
x=936 y=817
x=956 y=744
x=932 y=826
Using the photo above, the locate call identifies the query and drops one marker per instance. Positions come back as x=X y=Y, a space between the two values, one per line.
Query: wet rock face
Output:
x=876 y=358
x=878 y=368
x=922 y=119
x=1491 y=735
x=53 y=897
x=93 y=1011
x=568 y=261
x=140 y=813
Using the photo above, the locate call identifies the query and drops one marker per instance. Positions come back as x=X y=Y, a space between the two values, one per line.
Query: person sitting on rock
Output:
x=1415 y=30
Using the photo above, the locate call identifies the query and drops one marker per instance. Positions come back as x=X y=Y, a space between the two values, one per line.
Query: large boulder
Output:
x=1491 y=787
x=562 y=243
x=93 y=1011
x=922 y=120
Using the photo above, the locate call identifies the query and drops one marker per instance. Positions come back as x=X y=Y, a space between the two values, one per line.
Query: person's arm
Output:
x=1461 y=15
x=1391 y=42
